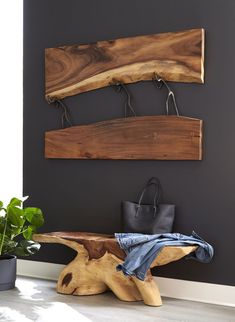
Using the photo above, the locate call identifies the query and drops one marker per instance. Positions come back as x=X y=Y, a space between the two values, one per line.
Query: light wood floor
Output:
x=37 y=300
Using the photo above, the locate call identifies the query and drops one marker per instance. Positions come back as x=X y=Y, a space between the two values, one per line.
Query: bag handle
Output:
x=152 y=181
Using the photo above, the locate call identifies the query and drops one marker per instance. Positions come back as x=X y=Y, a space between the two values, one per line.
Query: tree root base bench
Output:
x=93 y=270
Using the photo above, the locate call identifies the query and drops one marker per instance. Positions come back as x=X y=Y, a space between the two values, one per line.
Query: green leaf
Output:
x=26 y=248
x=15 y=215
x=34 y=216
x=28 y=232
x=15 y=222
x=2 y=222
x=8 y=245
x=15 y=202
x=13 y=230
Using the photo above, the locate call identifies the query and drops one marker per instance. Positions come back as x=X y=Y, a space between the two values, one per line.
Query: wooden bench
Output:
x=93 y=270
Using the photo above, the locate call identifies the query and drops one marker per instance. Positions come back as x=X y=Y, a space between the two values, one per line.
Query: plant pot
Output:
x=7 y=272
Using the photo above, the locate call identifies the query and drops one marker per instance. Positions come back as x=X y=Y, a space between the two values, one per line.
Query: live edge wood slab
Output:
x=143 y=137
x=175 y=56
x=93 y=270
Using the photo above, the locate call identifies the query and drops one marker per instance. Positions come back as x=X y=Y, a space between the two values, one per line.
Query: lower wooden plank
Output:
x=140 y=138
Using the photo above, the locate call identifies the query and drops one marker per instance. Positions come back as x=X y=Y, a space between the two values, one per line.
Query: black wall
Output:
x=85 y=195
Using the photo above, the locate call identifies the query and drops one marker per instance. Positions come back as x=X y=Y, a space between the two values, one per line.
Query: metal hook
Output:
x=65 y=117
x=120 y=86
x=159 y=82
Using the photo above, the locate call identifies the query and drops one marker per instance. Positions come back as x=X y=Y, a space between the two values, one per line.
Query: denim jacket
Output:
x=142 y=249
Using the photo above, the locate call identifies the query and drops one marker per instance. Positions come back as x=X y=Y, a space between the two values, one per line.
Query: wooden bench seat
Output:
x=93 y=270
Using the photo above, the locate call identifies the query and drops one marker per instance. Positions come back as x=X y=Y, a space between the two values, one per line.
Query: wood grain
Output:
x=141 y=138
x=175 y=56
x=91 y=274
x=95 y=244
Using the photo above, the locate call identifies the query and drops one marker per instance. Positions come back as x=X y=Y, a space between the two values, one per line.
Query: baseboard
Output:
x=47 y=271
x=197 y=291
x=169 y=287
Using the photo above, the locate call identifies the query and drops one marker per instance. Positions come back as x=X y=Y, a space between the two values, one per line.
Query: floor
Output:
x=37 y=300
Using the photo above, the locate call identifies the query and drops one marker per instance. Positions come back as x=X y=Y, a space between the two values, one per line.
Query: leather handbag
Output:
x=153 y=218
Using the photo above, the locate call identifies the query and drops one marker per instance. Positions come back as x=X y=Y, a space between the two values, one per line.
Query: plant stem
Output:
x=20 y=233
x=4 y=233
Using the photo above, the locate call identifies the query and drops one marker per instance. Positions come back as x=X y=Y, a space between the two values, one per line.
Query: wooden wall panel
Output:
x=143 y=137
x=175 y=56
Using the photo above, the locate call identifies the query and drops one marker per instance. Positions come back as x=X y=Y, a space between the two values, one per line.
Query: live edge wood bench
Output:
x=93 y=270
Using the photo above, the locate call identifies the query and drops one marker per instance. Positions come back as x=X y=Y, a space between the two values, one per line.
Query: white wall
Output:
x=11 y=98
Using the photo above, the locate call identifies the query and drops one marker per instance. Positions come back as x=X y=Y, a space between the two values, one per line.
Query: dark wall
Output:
x=85 y=195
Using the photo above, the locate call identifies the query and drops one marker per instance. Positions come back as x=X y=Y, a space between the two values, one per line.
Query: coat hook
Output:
x=159 y=82
x=119 y=86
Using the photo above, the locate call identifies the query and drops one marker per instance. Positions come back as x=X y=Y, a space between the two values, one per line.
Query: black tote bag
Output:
x=155 y=218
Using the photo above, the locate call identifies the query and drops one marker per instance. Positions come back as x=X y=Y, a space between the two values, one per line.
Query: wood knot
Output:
x=67 y=279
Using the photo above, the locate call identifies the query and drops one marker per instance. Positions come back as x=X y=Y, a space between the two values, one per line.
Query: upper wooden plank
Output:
x=175 y=56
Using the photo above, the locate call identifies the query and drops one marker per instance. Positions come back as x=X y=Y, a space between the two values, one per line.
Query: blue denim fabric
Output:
x=142 y=249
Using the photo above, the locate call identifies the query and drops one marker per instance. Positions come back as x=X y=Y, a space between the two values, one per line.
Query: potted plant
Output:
x=17 y=225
